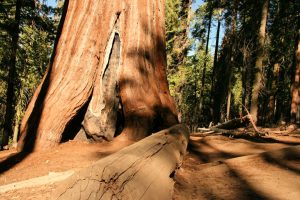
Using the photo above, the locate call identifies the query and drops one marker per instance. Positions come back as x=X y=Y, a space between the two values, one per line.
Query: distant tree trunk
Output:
x=228 y=105
x=215 y=67
x=107 y=72
x=279 y=98
x=247 y=66
x=246 y=78
x=295 y=106
x=18 y=116
x=216 y=53
x=295 y=75
x=257 y=84
x=231 y=57
x=273 y=78
x=224 y=74
x=205 y=61
x=10 y=98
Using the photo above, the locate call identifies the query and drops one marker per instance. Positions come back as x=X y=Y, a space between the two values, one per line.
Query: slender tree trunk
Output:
x=18 y=117
x=224 y=73
x=257 y=84
x=9 y=111
x=295 y=87
x=279 y=99
x=271 y=103
x=231 y=57
x=295 y=106
x=246 y=71
x=245 y=67
x=109 y=58
x=194 y=117
x=228 y=105
x=213 y=76
x=245 y=77
x=216 y=54
x=205 y=63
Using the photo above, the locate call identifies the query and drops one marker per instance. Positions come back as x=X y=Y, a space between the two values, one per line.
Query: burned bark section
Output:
x=105 y=126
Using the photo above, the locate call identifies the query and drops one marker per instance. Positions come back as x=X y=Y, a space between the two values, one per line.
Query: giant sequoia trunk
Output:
x=107 y=75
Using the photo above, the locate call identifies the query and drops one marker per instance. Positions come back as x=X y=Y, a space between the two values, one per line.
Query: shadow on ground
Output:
x=218 y=167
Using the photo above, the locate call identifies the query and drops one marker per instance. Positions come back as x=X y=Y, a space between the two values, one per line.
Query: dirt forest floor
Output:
x=215 y=167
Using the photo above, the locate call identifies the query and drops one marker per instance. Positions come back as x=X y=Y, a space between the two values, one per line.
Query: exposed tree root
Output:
x=143 y=170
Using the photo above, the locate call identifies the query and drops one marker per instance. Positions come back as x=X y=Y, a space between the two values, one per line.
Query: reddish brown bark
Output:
x=80 y=74
x=296 y=84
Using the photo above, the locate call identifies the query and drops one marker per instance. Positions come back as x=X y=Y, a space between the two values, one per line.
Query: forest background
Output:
x=225 y=59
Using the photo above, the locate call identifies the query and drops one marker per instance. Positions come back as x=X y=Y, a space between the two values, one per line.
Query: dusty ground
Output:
x=71 y=155
x=219 y=167
x=216 y=167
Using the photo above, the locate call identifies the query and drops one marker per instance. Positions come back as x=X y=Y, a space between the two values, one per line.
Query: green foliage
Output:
x=185 y=72
x=236 y=59
x=177 y=28
x=37 y=26
x=237 y=91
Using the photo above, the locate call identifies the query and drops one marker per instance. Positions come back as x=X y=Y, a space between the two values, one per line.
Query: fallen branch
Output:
x=253 y=123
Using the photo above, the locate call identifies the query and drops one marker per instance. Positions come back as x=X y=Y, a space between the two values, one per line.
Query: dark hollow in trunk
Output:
x=104 y=125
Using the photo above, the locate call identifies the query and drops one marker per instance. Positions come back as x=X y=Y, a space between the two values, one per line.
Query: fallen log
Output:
x=143 y=170
x=285 y=132
x=203 y=134
x=229 y=128
x=228 y=133
x=234 y=123
x=234 y=133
